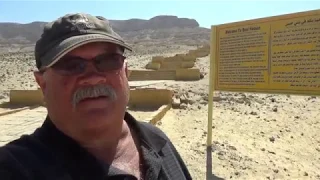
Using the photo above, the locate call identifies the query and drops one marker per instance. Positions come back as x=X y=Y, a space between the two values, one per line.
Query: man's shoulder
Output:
x=21 y=157
x=20 y=145
x=25 y=146
x=14 y=156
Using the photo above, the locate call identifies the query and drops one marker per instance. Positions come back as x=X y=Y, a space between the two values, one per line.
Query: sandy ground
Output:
x=255 y=136
x=250 y=142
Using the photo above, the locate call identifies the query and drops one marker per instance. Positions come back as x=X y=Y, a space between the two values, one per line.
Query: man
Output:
x=88 y=134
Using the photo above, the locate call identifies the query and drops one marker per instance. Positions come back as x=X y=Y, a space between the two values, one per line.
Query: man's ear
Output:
x=40 y=79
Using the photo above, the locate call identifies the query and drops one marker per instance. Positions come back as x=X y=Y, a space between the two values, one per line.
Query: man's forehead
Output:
x=95 y=48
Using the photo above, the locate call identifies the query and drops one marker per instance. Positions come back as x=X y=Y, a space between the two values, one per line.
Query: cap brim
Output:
x=74 y=42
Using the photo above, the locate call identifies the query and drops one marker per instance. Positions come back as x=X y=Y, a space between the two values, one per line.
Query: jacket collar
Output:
x=149 y=137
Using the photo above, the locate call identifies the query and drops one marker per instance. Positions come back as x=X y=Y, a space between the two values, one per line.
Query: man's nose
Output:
x=92 y=76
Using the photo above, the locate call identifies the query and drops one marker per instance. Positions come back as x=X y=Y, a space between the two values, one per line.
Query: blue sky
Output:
x=206 y=12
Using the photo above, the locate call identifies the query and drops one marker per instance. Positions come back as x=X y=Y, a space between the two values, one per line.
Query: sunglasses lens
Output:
x=70 y=66
x=109 y=62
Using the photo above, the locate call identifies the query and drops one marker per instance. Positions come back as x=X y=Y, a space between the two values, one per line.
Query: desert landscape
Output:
x=255 y=136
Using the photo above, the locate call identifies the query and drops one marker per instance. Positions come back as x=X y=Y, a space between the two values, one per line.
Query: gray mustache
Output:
x=94 y=91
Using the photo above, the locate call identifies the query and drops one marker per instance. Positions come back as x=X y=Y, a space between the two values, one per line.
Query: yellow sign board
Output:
x=280 y=54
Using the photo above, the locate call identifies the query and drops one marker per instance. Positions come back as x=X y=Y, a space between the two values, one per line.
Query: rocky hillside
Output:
x=157 y=22
x=167 y=28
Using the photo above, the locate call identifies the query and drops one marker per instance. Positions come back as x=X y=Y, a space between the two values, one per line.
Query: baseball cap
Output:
x=71 y=31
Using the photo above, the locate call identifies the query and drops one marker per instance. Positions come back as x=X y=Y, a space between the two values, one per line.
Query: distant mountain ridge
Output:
x=157 y=22
x=160 y=27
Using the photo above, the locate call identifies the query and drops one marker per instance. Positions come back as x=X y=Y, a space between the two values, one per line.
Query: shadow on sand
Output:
x=7 y=105
x=210 y=176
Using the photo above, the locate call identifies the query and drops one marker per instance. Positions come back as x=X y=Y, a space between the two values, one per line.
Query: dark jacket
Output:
x=48 y=154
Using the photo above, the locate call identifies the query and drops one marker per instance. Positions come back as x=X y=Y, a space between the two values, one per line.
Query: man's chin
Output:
x=94 y=117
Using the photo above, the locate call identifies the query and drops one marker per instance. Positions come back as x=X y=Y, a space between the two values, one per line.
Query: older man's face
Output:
x=88 y=88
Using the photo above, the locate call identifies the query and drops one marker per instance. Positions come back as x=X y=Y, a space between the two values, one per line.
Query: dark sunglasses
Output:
x=74 y=65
